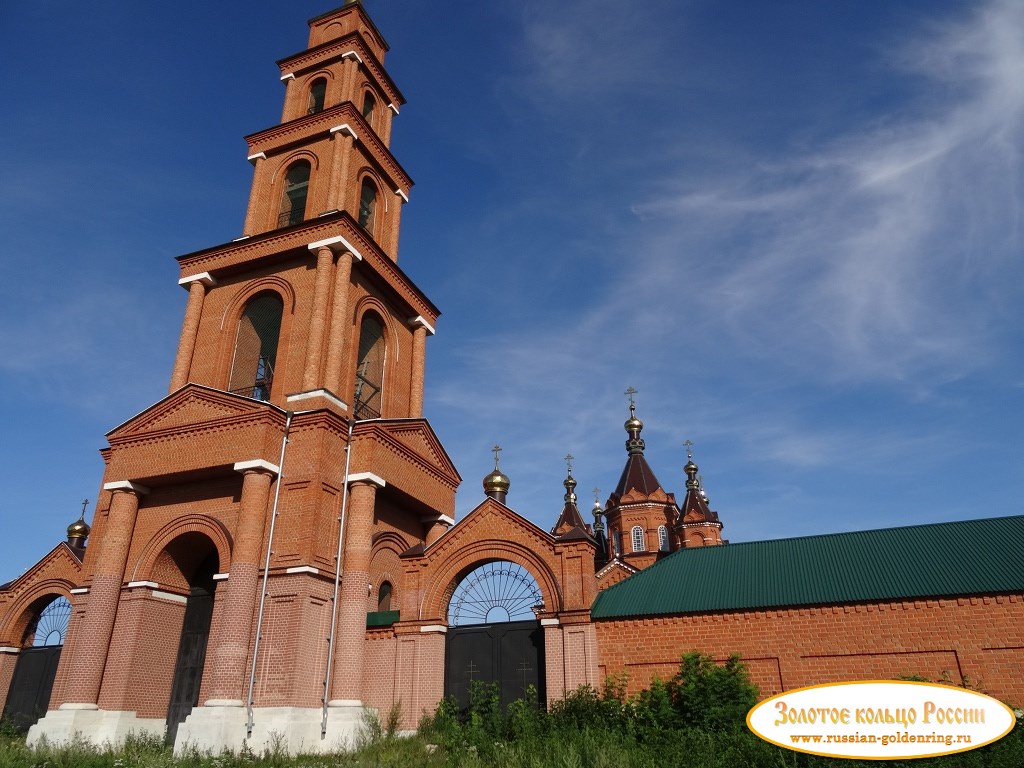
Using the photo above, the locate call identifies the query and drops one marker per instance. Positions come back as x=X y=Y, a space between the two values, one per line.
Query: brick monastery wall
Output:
x=979 y=640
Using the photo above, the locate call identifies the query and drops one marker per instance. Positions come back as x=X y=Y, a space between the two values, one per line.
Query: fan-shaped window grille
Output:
x=370 y=368
x=49 y=627
x=638 y=539
x=663 y=538
x=367 y=204
x=252 y=368
x=494 y=593
x=317 y=94
x=293 y=199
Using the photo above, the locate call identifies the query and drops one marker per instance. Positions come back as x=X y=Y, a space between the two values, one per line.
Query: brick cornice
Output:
x=300 y=130
x=284 y=242
x=336 y=49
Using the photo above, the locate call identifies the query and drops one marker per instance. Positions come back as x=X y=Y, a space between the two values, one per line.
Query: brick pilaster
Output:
x=318 y=318
x=419 y=354
x=224 y=674
x=189 y=328
x=338 y=340
x=347 y=675
x=98 y=622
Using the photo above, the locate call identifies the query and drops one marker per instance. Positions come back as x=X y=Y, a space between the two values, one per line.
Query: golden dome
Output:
x=496 y=481
x=79 y=529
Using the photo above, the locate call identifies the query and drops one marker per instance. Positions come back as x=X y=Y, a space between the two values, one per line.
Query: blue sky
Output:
x=794 y=227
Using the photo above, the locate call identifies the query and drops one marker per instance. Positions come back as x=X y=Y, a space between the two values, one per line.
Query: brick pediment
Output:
x=491 y=521
x=418 y=437
x=189 y=406
x=59 y=564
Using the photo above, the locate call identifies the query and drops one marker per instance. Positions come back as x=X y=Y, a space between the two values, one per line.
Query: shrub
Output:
x=705 y=695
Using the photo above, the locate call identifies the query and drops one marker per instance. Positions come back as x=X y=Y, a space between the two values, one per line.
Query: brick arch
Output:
x=386 y=565
x=27 y=605
x=447 y=574
x=213 y=529
x=372 y=304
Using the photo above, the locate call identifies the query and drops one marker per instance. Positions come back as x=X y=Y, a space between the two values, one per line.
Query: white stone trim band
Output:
x=133 y=584
x=330 y=242
x=242 y=466
x=358 y=477
x=79 y=591
x=302 y=569
x=170 y=596
x=435 y=628
x=438 y=519
x=549 y=622
x=9 y=649
x=420 y=321
x=203 y=277
x=318 y=393
x=346 y=129
x=126 y=485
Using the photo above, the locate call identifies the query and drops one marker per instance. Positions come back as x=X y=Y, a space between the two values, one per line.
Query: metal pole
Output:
x=337 y=581
x=266 y=573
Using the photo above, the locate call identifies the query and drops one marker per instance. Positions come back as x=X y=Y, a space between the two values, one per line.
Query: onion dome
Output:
x=634 y=427
x=79 y=529
x=496 y=483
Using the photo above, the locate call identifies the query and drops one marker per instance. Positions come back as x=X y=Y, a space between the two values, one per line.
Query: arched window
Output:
x=663 y=538
x=293 y=200
x=367 y=204
x=368 y=104
x=617 y=539
x=384 y=596
x=370 y=368
x=317 y=94
x=638 y=539
x=252 y=367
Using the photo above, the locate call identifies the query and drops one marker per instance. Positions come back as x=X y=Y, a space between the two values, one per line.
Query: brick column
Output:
x=232 y=629
x=197 y=285
x=350 y=633
x=318 y=318
x=396 y=222
x=419 y=353
x=337 y=340
x=258 y=194
x=289 y=95
x=83 y=687
x=343 y=137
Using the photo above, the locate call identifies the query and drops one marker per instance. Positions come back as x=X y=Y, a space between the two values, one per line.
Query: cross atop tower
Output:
x=85 y=503
x=496 y=450
x=689 y=448
x=630 y=391
x=568 y=461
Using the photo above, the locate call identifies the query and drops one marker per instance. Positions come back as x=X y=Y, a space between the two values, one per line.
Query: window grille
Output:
x=663 y=538
x=368 y=104
x=296 y=188
x=367 y=204
x=384 y=597
x=317 y=95
x=638 y=539
x=370 y=369
x=252 y=368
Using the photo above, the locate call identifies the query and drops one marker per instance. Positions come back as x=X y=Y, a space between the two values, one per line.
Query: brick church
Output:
x=274 y=551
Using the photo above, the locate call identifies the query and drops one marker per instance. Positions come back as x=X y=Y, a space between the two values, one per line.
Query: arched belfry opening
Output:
x=32 y=682
x=494 y=637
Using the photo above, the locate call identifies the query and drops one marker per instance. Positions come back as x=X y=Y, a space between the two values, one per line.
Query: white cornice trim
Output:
x=302 y=569
x=169 y=596
x=317 y=393
x=221 y=576
x=330 y=242
x=344 y=128
x=352 y=55
x=240 y=239
x=242 y=466
x=126 y=485
x=79 y=591
x=393 y=108
x=358 y=477
x=133 y=584
x=258 y=156
x=420 y=322
x=549 y=622
x=438 y=519
x=202 y=277
x=402 y=195
x=434 y=628
x=9 y=649
x=289 y=76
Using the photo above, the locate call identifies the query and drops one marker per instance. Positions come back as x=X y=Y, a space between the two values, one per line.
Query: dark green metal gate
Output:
x=511 y=655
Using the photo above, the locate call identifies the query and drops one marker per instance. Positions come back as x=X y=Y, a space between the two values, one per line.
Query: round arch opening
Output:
x=495 y=592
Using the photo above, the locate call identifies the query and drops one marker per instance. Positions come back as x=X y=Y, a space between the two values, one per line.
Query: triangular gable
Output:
x=59 y=563
x=190 y=405
x=500 y=522
x=418 y=436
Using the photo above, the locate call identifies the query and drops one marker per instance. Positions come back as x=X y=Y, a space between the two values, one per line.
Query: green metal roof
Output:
x=970 y=557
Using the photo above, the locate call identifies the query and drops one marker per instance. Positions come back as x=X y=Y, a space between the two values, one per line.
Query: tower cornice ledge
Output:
x=280 y=243
x=336 y=49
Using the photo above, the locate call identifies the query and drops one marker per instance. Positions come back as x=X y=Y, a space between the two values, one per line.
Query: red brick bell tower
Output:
x=252 y=520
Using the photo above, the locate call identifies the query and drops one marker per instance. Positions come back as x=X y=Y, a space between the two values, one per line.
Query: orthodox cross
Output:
x=525 y=668
x=496 y=450
x=472 y=669
x=85 y=503
x=568 y=461
x=689 y=448
x=597 y=495
x=629 y=393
